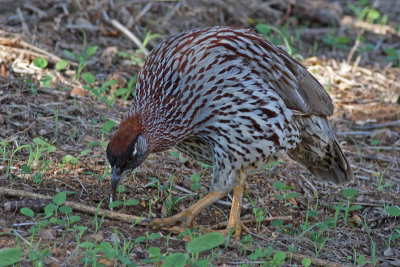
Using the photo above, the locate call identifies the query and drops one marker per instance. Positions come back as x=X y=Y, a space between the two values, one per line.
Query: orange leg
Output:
x=186 y=217
x=234 y=217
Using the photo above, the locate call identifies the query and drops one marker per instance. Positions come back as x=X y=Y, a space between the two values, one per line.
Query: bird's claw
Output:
x=184 y=219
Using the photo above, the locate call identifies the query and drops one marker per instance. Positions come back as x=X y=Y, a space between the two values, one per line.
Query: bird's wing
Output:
x=295 y=85
x=305 y=93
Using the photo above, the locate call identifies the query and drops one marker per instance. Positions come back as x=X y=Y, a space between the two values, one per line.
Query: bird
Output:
x=227 y=97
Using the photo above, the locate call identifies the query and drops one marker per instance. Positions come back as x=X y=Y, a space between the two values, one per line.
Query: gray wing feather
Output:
x=304 y=94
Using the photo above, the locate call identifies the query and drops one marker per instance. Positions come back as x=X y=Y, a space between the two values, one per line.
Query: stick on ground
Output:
x=76 y=206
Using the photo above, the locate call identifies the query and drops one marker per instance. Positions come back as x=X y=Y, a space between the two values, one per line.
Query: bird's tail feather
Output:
x=319 y=151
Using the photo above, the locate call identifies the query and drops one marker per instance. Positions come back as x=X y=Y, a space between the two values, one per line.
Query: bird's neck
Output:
x=160 y=134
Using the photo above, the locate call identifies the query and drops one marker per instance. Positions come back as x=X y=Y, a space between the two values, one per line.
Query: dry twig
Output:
x=77 y=206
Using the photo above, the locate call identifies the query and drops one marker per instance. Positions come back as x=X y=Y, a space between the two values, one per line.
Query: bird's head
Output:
x=127 y=149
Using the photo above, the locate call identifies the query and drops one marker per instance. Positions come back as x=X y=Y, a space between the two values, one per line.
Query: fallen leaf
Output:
x=78 y=91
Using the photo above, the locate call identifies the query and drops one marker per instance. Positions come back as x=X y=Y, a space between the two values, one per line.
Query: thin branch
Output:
x=125 y=31
x=77 y=206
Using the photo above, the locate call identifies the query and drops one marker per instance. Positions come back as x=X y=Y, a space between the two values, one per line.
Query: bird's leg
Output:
x=186 y=217
x=234 y=217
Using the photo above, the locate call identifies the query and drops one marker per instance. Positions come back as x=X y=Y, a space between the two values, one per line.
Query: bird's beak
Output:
x=115 y=177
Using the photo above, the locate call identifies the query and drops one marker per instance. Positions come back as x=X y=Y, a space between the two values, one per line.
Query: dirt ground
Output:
x=361 y=78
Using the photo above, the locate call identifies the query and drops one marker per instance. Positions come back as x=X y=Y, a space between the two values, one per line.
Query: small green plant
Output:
x=365 y=12
x=280 y=36
x=287 y=194
x=259 y=214
x=83 y=57
x=40 y=62
x=100 y=92
x=148 y=237
x=74 y=160
x=171 y=201
x=373 y=243
x=96 y=221
x=335 y=41
x=393 y=56
x=191 y=257
x=196 y=182
x=349 y=194
x=105 y=252
x=269 y=256
x=125 y=93
x=270 y=166
x=55 y=214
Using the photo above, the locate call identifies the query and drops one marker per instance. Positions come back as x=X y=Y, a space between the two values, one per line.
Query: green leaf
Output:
x=73 y=219
x=281 y=186
x=131 y=202
x=26 y=169
x=121 y=91
x=39 y=141
x=69 y=54
x=71 y=159
x=176 y=260
x=49 y=209
x=40 y=62
x=154 y=236
x=109 y=83
x=202 y=263
x=256 y=254
x=292 y=195
x=140 y=239
x=349 y=192
x=87 y=245
x=105 y=246
x=126 y=261
x=373 y=15
x=174 y=154
x=27 y=212
x=115 y=204
x=94 y=143
x=393 y=211
x=277 y=223
x=279 y=256
x=59 y=198
x=86 y=151
x=9 y=256
x=154 y=251
x=88 y=77
x=205 y=242
x=306 y=262
x=46 y=81
x=62 y=64
x=66 y=209
x=355 y=207
x=375 y=142
x=107 y=126
x=312 y=213
x=263 y=28
x=195 y=177
x=91 y=50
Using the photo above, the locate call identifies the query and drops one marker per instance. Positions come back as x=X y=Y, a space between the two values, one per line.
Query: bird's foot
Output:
x=237 y=229
x=185 y=219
